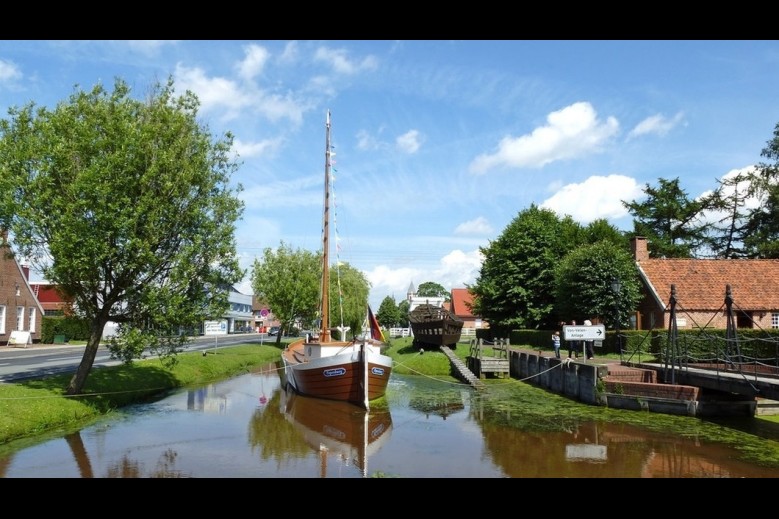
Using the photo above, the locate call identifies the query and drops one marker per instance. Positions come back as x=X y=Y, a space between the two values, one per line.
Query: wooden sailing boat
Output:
x=435 y=325
x=353 y=371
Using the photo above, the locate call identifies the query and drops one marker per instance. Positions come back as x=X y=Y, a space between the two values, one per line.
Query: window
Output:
x=32 y=320
x=775 y=320
x=20 y=318
x=2 y=320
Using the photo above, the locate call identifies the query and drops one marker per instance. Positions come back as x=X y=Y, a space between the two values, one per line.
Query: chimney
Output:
x=639 y=247
x=26 y=271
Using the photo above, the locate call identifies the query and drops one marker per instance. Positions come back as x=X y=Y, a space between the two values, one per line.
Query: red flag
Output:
x=375 y=328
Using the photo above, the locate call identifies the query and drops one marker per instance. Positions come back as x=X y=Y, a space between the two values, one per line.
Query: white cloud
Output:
x=477 y=226
x=656 y=124
x=366 y=141
x=409 y=142
x=572 y=132
x=256 y=149
x=337 y=59
x=216 y=93
x=149 y=47
x=9 y=71
x=290 y=53
x=597 y=197
x=254 y=62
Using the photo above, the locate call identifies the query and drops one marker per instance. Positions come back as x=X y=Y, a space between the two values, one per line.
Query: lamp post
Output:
x=616 y=287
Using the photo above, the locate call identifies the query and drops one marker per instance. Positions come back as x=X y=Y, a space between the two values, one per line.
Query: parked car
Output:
x=274 y=330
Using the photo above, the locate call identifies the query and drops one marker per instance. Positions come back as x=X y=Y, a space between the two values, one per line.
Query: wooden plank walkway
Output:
x=463 y=373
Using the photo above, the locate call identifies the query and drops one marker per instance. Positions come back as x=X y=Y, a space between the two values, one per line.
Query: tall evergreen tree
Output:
x=726 y=233
x=762 y=233
x=670 y=220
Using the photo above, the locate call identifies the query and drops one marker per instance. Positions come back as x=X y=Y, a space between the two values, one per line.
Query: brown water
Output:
x=248 y=427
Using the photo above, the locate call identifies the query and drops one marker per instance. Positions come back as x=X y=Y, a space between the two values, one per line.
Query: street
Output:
x=39 y=360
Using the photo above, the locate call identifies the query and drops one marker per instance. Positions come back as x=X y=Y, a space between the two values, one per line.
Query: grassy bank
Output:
x=38 y=406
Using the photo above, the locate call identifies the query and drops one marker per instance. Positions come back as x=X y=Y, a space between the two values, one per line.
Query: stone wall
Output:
x=573 y=379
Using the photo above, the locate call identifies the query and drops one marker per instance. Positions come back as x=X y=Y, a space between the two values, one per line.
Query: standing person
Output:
x=556 y=344
x=573 y=346
x=588 y=345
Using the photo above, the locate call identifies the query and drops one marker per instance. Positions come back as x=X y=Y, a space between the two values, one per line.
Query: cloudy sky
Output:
x=440 y=144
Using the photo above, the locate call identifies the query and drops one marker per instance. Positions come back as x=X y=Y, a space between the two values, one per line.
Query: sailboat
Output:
x=435 y=325
x=318 y=366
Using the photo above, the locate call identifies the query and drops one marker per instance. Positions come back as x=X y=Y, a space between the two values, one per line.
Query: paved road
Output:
x=39 y=360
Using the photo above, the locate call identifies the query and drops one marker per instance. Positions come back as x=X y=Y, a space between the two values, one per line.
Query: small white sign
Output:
x=215 y=328
x=584 y=333
x=19 y=338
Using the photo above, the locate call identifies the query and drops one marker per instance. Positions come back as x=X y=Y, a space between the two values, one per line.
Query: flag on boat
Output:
x=376 y=332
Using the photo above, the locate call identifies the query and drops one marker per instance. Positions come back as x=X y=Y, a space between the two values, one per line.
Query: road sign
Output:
x=584 y=333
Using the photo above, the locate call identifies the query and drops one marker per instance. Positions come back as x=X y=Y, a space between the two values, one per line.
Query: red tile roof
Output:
x=461 y=301
x=701 y=283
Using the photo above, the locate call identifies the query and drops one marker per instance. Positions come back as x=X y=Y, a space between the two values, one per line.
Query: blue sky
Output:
x=440 y=144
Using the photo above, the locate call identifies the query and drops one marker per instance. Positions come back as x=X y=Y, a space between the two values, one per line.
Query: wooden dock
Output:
x=489 y=358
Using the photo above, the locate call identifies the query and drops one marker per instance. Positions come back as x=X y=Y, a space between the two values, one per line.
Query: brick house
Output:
x=462 y=299
x=19 y=308
x=701 y=286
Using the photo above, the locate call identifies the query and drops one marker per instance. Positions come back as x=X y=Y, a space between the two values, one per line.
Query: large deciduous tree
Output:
x=433 y=289
x=349 y=290
x=515 y=286
x=583 y=281
x=388 y=314
x=127 y=206
x=288 y=280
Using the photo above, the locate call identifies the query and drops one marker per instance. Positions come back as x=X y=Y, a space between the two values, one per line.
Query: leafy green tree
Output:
x=403 y=309
x=288 y=280
x=583 y=284
x=127 y=207
x=515 y=286
x=432 y=289
x=601 y=229
x=670 y=220
x=349 y=290
x=388 y=314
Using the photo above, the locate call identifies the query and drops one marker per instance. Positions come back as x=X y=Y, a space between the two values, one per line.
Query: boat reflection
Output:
x=337 y=430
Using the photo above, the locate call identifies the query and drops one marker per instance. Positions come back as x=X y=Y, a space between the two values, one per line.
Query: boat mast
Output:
x=324 y=334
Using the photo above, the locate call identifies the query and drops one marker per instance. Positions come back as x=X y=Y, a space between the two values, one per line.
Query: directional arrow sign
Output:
x=584 y=333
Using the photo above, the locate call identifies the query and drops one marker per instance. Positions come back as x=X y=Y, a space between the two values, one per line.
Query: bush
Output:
x=72 y=328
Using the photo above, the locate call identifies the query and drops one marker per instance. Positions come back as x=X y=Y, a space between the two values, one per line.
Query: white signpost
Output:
x=584 y=333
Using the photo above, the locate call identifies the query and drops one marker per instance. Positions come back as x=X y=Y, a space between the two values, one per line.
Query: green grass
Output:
x=33 y=407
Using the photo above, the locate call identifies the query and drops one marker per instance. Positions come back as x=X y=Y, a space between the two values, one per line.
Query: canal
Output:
x=248 y=427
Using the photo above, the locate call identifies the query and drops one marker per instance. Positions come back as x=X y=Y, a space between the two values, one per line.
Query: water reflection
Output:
x=338 y=430
x=250 y=427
